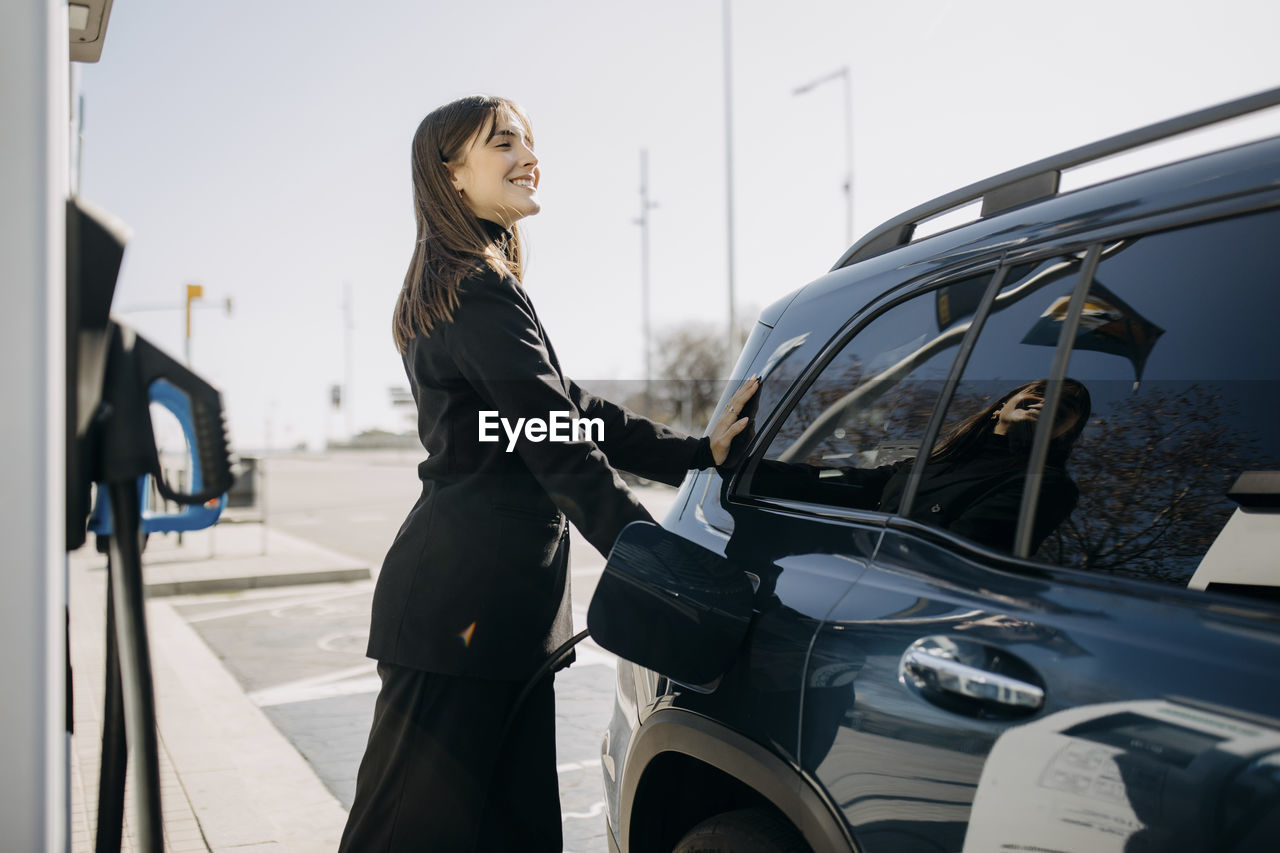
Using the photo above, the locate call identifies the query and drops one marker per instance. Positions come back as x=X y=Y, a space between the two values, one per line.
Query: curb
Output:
x=242 y=582
x=241 y=557
x=248 y=786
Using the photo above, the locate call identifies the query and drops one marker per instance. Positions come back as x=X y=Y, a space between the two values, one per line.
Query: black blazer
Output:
x=476 y=581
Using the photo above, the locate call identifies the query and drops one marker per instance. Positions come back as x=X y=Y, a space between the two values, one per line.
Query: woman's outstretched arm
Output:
x=498 y=347
x=653 y=450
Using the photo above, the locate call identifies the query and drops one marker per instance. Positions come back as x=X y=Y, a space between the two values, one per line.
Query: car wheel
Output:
x=745 y=831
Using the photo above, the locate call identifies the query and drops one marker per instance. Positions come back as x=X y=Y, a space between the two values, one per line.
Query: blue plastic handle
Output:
x=188 y=518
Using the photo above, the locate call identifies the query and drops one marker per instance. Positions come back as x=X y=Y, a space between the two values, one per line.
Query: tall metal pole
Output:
x=728 y=166
x=645 y=206
x=348 y=372
x=846 y=75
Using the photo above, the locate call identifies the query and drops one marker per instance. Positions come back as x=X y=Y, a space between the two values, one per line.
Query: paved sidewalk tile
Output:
x=229 y=780
x=88 y=620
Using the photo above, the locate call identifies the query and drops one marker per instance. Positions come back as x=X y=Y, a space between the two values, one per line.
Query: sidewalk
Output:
x=229 y=780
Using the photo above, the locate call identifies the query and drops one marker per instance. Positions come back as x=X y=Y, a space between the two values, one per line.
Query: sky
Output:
x=261 y=150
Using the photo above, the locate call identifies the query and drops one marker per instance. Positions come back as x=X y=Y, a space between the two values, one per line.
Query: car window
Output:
x=973 y=480
x=1179 y=349
x=861 y=421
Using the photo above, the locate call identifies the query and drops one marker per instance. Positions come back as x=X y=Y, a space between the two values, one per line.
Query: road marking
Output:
x=574 y=766
x=274 y=603
x=341 y=682
x=589 y=654
x=333 y=642
x=597 y=809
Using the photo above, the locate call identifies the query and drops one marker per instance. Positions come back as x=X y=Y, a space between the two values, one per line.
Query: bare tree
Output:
x=692 y=365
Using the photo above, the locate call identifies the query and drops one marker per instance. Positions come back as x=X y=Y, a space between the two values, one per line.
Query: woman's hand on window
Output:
x=731 y=420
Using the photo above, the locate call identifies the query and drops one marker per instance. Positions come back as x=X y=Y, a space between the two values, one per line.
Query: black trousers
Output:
x=435 y=778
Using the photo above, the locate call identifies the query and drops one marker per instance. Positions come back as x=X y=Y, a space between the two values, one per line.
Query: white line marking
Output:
x=597 y=809
x=276 y=696
x=274 y=603
x=341 y=682
x=574 y=766
x=589 y=654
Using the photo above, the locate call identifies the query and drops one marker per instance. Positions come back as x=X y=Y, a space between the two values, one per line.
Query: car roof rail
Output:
x=1040 y=179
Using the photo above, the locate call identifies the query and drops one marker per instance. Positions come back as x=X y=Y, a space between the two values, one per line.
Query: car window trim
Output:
x=810 y=509
x=977 y=326
x=1003 y=561
x=737 y=489
x=738 y=486
x=1049 y=412
x=943 y=403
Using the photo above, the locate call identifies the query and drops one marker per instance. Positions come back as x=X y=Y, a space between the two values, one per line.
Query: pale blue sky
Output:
x=261 y=149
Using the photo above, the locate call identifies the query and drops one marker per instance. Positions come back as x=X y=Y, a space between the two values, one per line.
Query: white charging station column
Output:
x=33 y=589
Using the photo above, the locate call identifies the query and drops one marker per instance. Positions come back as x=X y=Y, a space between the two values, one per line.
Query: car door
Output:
x=804 y=547
x=1043 y=679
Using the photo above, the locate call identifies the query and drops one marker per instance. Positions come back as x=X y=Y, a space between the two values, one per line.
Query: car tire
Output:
x=744 y=831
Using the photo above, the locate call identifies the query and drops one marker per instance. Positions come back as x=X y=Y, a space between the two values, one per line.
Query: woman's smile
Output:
x=498 y=158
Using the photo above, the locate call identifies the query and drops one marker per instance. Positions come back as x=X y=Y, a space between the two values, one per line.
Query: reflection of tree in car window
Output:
x=1180 y=354
x=1153 y=474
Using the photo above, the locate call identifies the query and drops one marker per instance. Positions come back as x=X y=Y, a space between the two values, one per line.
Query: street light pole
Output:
x=645 y=206
x=728 y=166
x=844 y=74
x=348 y=325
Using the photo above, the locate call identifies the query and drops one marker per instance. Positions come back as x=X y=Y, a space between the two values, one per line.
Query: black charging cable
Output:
x=136 y=696
x=549 y=665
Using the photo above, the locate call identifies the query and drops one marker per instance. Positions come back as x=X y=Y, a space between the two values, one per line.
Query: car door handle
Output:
x=930 y=670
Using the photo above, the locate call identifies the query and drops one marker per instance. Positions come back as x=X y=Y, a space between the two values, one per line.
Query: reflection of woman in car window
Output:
x=972 y=483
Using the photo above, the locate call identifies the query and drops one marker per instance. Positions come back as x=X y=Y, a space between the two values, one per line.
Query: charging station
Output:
x=34 y=170
x=79 y=389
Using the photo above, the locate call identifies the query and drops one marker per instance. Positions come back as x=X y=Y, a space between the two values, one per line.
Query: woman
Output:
x=474 y=592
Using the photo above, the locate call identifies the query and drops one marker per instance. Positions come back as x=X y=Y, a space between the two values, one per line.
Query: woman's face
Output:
x=498 y=174
x=1021 y=412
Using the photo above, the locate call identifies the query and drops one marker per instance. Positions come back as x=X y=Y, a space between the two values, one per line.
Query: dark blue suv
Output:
x=994 y=568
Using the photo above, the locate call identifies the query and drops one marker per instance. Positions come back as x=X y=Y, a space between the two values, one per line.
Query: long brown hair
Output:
x=967 y=436
x=451 y=242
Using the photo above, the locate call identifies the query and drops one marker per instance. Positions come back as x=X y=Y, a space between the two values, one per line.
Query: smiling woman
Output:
x=467 y=160
x=498 y=175
x=473 y=596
